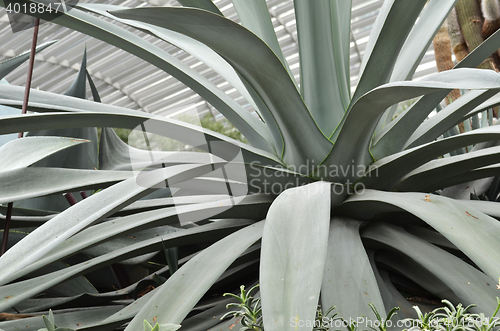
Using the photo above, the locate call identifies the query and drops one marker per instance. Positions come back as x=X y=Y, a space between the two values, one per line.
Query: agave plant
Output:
x=329 y=203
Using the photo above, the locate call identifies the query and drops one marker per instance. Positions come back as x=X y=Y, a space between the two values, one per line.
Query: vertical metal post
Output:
x=31 y=63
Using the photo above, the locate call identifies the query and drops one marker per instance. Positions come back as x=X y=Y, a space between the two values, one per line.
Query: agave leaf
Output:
x=254 y=15
x=390 y=39
x=213 y=185
x=271 y=124
x=72 y=287
x=237 y=179
x=250 y=126
x=7 y=66
x=22 y=221
x=231 y=180
x=78 y=88
x=33 y=286
x=81 y=300
x=341 y=18
x=352 y=146
x=448 y=117
x=438 y=170
x=28 y=213
x=467 y=101
x=114 y=35
x=207 y=5
x=125 y=314
x=475 y=122
x=345 y=281
x=20 y=184
x=21 y=153
x=484 y=119
x=88 y=211
x=86 y=300
x=129 y=239
x=468 y=229
x=303 y=141
x=188 y=133
x=399 y=263
x=51 y=317
x=227 y=324
x=386 y=119
x=418 y=41
x=375 y=31
x=175 y=299
x=295 y=242
x=168 y=327
x=129 y=312
x=257 y=204
x=393 y=138
x=260 y=179
x=385 y=173
x=466 y=282
x=431 y=236
x=49 y=324
x=480 y=53
x=323 y=29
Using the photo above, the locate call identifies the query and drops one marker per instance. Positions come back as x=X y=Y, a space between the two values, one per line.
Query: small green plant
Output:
x=160 y=327
x=481 y=323
x=383 y=325
x=451 y=318
x=250 y=310
x=50 y=324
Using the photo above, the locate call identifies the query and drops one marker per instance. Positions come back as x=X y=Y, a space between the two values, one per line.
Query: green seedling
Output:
x=160 y=327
